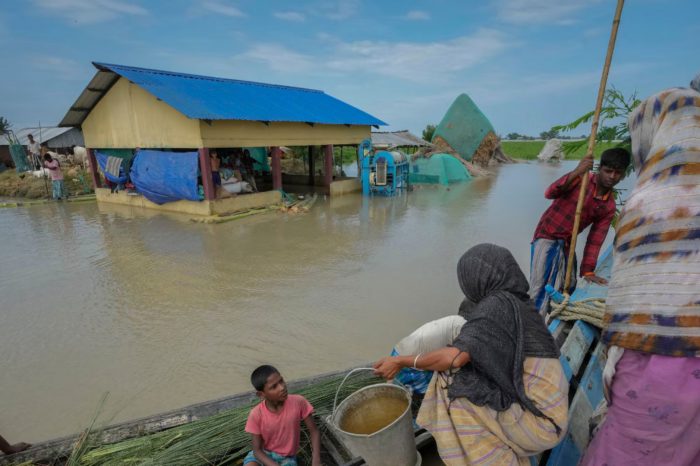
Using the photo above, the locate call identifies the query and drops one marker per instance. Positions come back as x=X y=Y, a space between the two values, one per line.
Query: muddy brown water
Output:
x=161 y=312
x=373 y=414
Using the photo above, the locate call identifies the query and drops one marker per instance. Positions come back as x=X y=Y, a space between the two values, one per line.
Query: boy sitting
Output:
x=275 y=423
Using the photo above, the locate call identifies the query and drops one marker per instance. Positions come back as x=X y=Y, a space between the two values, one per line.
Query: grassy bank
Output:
x=528 y=150
x=26 y=186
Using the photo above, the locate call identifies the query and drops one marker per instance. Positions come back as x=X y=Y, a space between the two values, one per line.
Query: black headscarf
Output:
x=503 y=327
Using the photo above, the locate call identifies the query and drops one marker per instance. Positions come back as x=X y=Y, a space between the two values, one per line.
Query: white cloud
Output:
x=558 y=12
x=277 y=58
x=62 y=68
x=417 y=15
x=340 y=9
x=91 y=11
x=420 y=62
x=415 y=62
x=222 y=9
x=290 y=16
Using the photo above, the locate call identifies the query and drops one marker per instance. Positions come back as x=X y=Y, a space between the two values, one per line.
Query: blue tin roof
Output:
x=209 y=98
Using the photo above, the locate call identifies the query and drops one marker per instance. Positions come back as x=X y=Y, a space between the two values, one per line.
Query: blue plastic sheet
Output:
x=166 y=176
x=102 y=162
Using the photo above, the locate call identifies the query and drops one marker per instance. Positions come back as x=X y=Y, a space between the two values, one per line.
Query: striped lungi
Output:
x=467 y=434
x=548 y=259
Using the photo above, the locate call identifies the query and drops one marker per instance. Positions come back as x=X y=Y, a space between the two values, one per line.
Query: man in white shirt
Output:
x=34 y=152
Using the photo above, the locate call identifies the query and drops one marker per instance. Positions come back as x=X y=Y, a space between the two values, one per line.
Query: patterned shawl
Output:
x=654 y=295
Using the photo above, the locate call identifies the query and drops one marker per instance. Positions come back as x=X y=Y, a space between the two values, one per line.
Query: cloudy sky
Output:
x=528 y=64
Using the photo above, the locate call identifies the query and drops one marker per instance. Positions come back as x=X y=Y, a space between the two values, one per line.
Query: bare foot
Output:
x=17 y=447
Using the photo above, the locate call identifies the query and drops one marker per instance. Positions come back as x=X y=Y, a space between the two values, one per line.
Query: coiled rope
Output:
x=589 y=310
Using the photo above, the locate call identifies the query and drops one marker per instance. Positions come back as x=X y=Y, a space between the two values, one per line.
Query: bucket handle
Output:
x=337 y=392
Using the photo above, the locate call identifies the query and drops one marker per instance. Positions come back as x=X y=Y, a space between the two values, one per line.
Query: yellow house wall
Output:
x=128 y=116
x=228 y=133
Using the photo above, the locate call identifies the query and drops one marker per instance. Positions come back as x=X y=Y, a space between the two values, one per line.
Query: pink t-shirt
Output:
x=54 y=170
x=280 y=431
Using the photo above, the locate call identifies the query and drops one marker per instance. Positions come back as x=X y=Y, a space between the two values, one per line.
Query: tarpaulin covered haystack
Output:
x=438 y=168
x=466 y=131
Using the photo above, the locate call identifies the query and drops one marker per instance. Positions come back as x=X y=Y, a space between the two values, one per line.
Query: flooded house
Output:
x=154 y=131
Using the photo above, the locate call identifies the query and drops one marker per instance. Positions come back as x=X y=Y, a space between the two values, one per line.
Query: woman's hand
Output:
x=387 y=367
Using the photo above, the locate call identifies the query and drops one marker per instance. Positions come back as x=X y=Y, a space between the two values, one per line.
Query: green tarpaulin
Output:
x=438 y=169
x=463 y=127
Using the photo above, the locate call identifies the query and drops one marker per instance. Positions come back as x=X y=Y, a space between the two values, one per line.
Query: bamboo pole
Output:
x=591 y=142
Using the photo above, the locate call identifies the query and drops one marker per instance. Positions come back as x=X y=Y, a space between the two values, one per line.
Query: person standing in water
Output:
x=56 y=176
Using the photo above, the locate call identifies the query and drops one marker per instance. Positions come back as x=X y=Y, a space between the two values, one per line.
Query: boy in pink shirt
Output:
x=275 y=423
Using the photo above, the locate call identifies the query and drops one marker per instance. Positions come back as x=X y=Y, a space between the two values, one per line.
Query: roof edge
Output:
x=114 y=68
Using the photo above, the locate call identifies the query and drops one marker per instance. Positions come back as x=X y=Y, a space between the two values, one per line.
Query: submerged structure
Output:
x=438 y=168
x=383 y=172
x=162 y=125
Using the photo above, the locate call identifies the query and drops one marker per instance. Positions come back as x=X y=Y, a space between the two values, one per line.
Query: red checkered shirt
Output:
x=557 y=222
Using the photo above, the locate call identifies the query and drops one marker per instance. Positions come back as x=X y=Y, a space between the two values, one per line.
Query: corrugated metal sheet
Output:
x=208 y=98
x=95 y=90
x=54 y=136
x=403 y=138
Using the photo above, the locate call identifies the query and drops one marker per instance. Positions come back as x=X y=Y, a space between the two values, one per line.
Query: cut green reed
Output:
x=215 y=440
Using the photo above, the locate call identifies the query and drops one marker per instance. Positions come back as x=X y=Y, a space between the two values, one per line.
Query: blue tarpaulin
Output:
x=166 y=176
x=102 y=162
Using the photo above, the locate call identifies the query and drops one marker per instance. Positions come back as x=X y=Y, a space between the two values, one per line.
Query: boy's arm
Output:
x=570 y=180
x=596 y=237
x=259 y=453
x=315 y=440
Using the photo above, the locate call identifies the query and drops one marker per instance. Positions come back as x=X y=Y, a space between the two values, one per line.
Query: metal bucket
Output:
x=392 y=445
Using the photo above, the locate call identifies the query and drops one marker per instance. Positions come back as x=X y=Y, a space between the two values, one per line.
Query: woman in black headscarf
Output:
x=499 y=393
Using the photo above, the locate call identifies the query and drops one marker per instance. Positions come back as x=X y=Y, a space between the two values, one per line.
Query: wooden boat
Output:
x=582 y=356
x=56 y=452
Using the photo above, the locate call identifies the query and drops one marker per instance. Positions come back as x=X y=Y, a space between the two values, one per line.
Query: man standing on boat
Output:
x=550 y=244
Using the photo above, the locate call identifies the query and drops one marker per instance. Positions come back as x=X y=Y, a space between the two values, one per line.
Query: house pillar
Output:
x=276 y=168
x=328 y=165
x=312 y=175
x=94 y=174
x=205 y=170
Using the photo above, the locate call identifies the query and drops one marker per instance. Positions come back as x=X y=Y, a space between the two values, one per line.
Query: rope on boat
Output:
x=589 y=310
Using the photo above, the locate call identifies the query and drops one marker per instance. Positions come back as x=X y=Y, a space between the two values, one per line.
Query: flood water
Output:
x=161 y=312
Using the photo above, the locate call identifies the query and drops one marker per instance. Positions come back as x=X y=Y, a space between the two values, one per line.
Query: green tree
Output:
x=513 y=136
x=551 y=134
x=616 y=108
x=428 y=132
x=607 y=133
x=5 y=126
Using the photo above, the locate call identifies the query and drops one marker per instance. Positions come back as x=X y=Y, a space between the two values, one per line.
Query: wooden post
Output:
x=276 y=168
x=591 y=142
x=205 y=169
x=328 y=165
x=312 y=168
x=94 y=174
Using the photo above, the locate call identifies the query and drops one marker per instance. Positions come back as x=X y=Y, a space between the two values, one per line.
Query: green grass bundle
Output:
x=216 y=440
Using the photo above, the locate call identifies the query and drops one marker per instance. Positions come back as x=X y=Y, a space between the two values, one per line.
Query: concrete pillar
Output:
x=276 y=168
x=328 y=165
x=205 y=170
x=94 y=174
